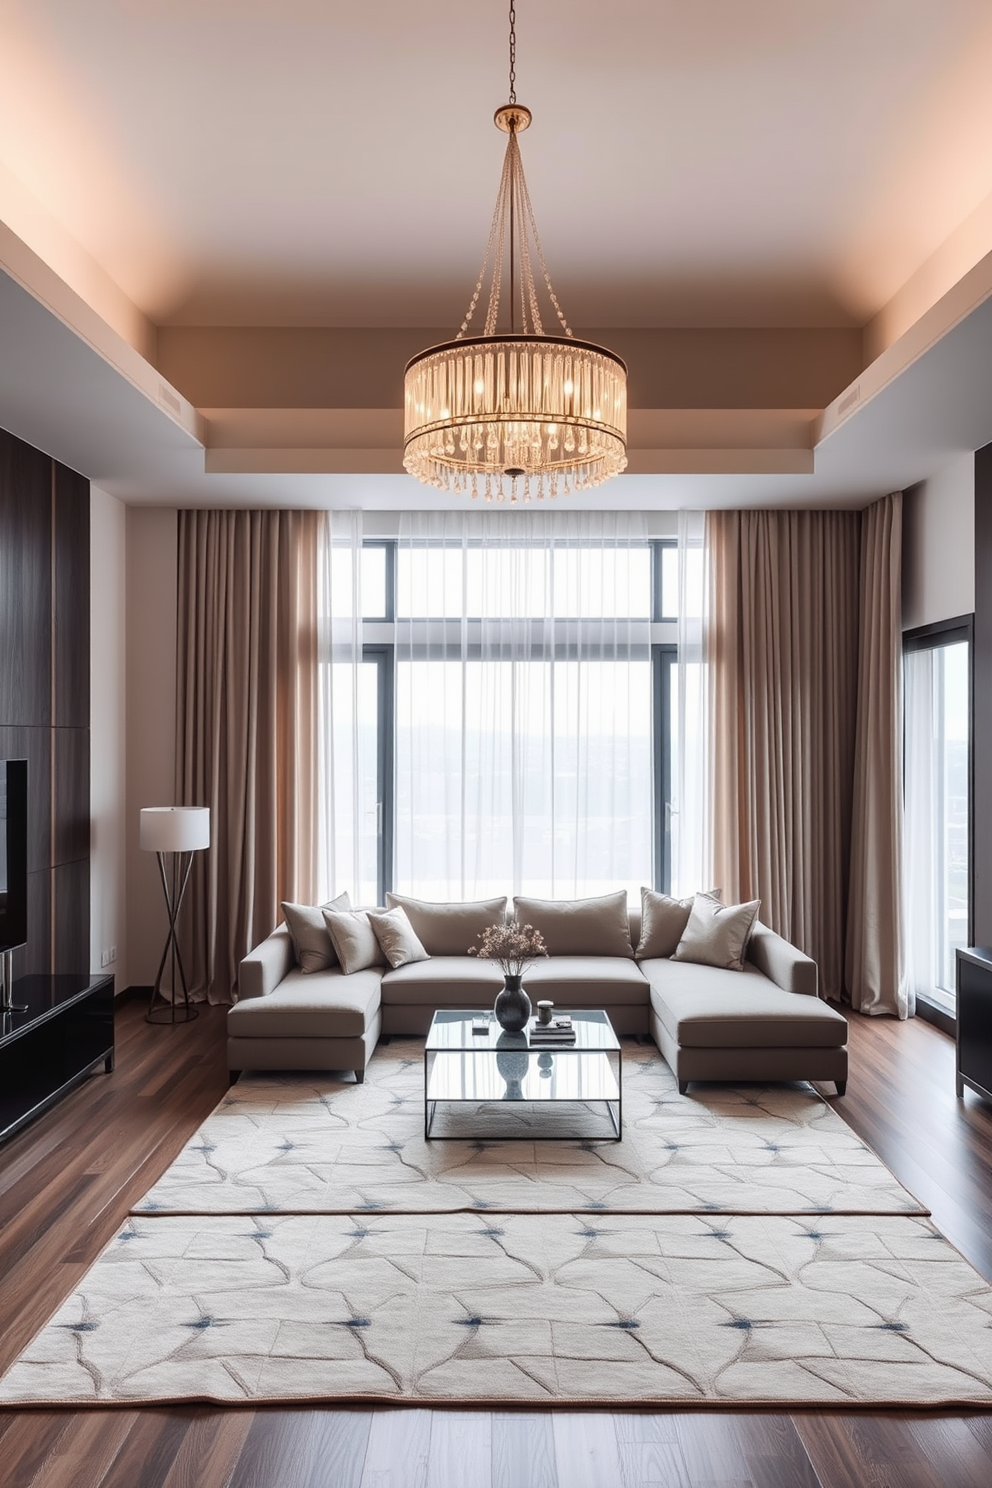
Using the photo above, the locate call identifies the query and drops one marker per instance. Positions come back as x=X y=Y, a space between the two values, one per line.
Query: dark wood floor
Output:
x=66 y=1184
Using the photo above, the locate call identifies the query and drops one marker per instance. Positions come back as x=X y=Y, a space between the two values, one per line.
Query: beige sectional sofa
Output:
x=765 y=1022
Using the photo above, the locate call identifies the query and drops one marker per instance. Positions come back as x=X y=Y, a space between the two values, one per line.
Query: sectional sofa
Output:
x=763 y=1022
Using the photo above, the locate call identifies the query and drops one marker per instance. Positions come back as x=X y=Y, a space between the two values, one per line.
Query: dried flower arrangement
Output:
x=512 y=947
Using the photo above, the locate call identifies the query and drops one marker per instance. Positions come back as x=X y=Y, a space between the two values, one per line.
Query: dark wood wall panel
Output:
x=71 y=916
x=25 y=584
x=72 y=599
x=44 y=682
x=71 y=803
x=36 y=956
x=982 y=749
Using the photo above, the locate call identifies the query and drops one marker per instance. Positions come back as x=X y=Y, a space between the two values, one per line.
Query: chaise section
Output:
x=315 y=1020
x=763 y=1023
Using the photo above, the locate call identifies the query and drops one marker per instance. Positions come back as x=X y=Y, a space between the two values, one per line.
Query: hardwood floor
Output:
x=66 y=1184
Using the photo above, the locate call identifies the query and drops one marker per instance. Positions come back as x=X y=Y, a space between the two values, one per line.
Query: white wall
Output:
x=151 y=720
x=108 y=898
x=938 y=550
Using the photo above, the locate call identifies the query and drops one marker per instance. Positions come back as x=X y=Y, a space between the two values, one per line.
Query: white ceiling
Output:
x=702 y=162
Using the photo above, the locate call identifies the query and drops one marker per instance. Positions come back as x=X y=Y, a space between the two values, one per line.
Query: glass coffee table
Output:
x=466 y=1068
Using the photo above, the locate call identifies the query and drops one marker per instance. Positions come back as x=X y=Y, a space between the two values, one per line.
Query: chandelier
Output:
x=518 y=413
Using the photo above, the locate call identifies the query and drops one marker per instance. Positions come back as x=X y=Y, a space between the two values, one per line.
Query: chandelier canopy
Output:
x=515 y=414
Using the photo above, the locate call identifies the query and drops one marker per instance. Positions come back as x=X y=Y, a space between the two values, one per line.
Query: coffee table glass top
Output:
x=451 y=1029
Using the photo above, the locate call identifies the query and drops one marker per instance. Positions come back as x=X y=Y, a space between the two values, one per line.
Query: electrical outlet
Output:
x=109 y=956
x=113 y=954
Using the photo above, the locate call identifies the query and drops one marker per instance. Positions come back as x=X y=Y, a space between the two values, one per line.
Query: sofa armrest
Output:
x=263 y=969
x=787 y=967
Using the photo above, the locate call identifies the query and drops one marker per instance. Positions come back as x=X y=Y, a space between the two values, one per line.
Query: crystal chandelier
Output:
x=515 y=414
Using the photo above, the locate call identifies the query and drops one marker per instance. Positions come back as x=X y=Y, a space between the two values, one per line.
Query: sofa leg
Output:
x=841 y=1087
x=683 y=1087
x=360 y=1077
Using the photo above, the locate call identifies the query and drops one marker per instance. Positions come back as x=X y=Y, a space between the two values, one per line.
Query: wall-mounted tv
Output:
x=13 y=853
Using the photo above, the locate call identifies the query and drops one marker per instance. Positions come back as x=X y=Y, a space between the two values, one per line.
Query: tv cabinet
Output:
x=974 y=1019
x=65 y=1031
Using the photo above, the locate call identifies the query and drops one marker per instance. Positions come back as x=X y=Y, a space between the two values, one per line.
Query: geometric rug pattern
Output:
x=301 y=1144
x=522 y=1310
x=739 y=1246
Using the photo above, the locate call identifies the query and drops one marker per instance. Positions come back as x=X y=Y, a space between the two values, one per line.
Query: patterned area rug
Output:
x=739 y=1246
x=302 y=1144
x=528 y=1310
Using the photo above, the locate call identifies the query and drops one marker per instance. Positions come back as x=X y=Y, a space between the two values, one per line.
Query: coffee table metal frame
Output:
x=462 y=1066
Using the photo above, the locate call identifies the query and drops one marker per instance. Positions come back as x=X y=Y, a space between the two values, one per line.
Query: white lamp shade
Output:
x=169 y=829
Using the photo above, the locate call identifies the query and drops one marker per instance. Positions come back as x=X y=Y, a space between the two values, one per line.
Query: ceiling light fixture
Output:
x=518 y=413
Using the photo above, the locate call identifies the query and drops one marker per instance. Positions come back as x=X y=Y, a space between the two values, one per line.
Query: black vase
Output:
x=512 y=1006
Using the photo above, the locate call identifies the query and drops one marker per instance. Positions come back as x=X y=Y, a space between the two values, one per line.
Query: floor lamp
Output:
x=174 y=832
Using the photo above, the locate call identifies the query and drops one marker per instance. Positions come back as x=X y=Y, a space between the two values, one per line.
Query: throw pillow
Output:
x=663 y=921
x=353 y=939
x=717 y=934
x=396 y=936
x=449 y=929
x=311 y=942
x=579 y=927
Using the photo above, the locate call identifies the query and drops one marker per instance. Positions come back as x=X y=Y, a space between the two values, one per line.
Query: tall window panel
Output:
x=524 y=748
x=937 y=845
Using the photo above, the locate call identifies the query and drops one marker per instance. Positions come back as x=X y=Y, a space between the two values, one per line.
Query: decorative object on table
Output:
x=558 y=1030
x=513 y=948
x=515 y=413
x=544 y=1011
x=176 y=833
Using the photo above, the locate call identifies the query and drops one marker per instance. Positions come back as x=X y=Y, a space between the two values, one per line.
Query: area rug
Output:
x=739 y=1246
x=530 y=1310
x=302 y=1144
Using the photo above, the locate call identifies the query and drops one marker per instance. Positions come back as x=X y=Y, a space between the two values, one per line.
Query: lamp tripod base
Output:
x=164 y=1009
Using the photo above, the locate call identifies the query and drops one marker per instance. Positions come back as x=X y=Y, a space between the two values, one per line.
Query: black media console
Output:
x=66 y=1030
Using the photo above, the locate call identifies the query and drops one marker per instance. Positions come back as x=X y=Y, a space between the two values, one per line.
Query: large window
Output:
x=937 y=691
x=508 y=715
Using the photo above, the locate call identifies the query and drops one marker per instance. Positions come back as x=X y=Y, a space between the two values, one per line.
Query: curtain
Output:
x=794 y=659
x=523 y=704
x=689 y=822
x=876 y=975
x=347 y=720
x=246 y=716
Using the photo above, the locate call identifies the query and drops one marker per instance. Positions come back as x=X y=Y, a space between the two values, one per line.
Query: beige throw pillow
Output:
x=717 y=934
x=353 y=939
x=449 y=929
x=663 y=921
x=311 y=942
x=579 y=927
x=396 y=936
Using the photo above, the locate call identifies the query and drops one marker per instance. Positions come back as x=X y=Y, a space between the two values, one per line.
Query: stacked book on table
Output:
x=558 y=1031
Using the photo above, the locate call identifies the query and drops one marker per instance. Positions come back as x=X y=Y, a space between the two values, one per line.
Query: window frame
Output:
x=932 y=637
x=379 y=648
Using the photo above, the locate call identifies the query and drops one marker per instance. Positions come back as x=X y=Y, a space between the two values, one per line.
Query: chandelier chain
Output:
x=513 y=53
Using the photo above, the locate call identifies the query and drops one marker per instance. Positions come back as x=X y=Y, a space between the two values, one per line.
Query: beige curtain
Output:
x=876 y=976
x=789 y=650
x=246 y=711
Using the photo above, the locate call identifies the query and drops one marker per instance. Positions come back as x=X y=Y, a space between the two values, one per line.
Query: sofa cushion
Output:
x=319 y=1004
x=587 y=981
x=353 y=939
x=579 y=927
x=662 y=922
x=311 y=943
x=443 y=982
x=396 y=936
x=717 y=934
x=449 y=929
x=708 y=1007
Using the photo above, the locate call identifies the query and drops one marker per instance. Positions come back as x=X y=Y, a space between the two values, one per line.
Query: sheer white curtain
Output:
x=690 y=824
x=347 y=811
x=523 y=704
